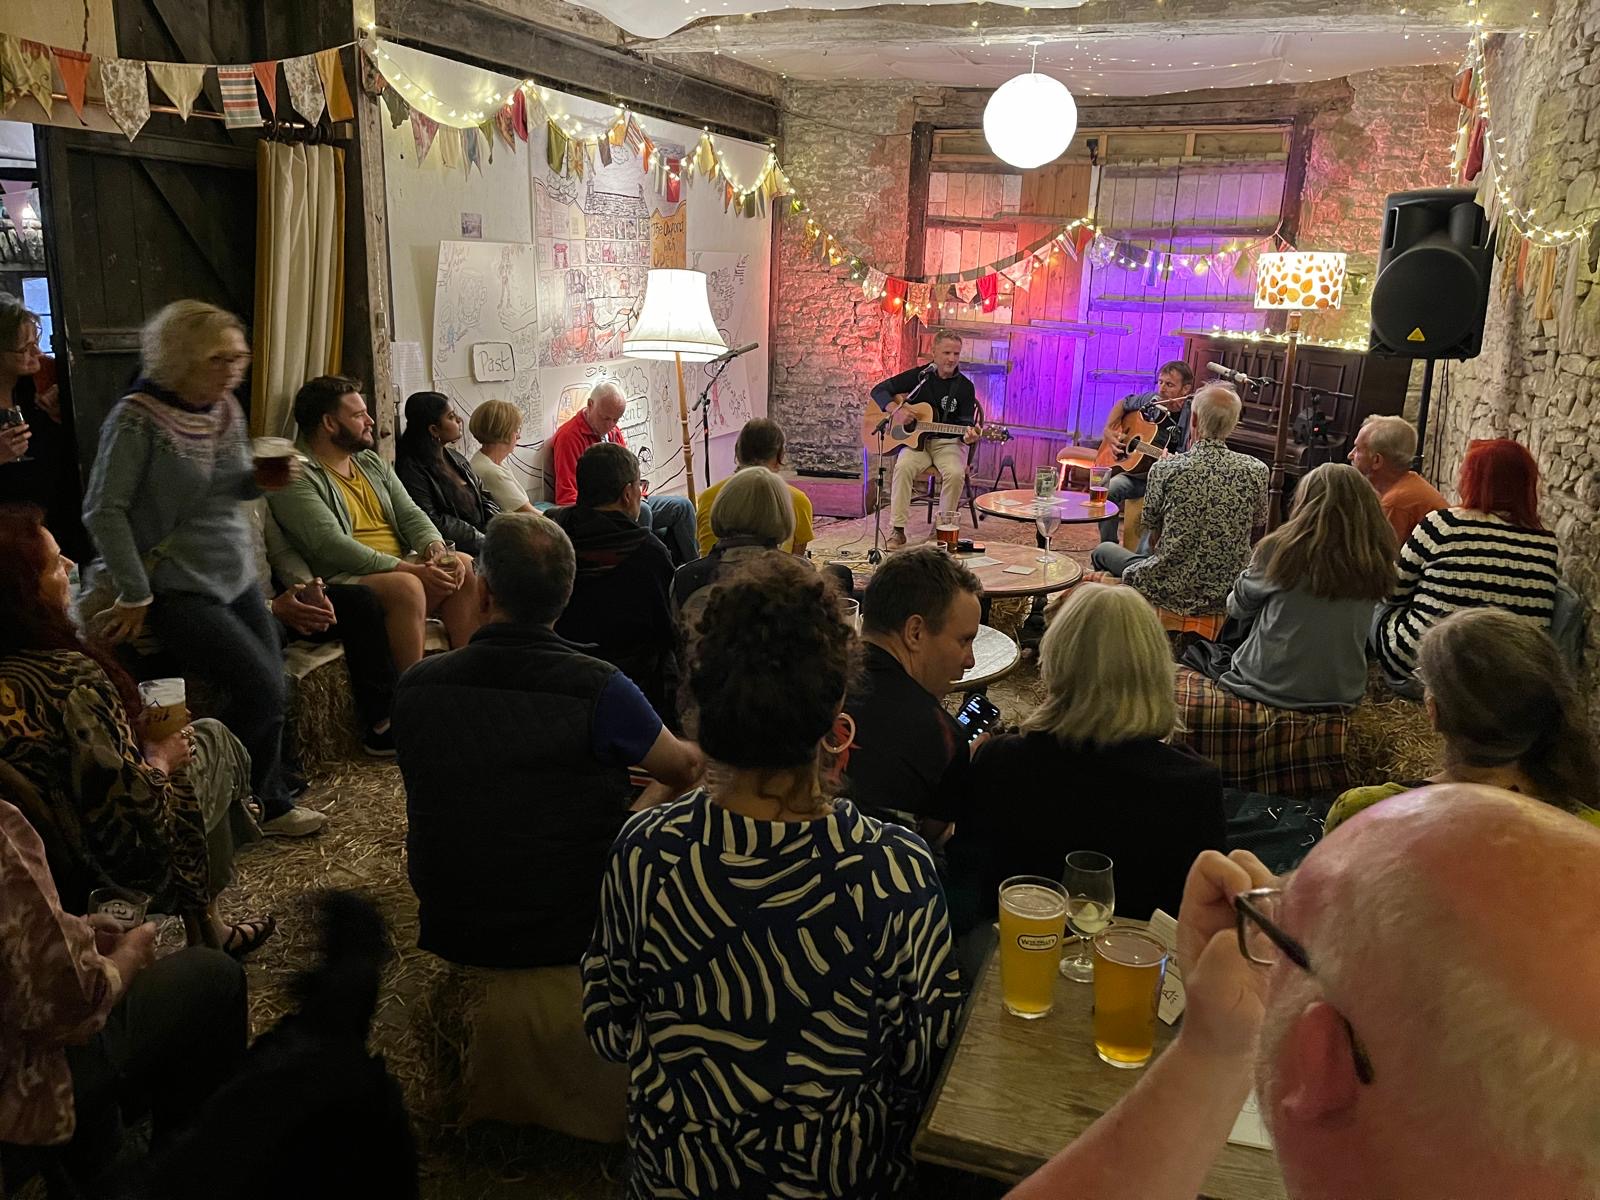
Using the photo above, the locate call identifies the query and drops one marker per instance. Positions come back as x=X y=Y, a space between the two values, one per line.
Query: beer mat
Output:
x=1165 y=928
x=1019 y=570
x=1249 y=1129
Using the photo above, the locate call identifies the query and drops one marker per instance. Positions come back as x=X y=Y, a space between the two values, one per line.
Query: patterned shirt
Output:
x=1203 y=504
x=1457 y=558
x=782 y=992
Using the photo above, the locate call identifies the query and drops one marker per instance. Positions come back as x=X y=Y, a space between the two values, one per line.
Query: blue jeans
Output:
x=671 y=518
x=1121 y=489
x=1113 y=558
x=234 y=648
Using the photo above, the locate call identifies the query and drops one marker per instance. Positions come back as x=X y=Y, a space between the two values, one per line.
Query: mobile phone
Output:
x=977 y=716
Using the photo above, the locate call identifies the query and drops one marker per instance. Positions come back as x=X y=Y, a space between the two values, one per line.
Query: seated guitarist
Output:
x=942 y=385
x=1174 y=385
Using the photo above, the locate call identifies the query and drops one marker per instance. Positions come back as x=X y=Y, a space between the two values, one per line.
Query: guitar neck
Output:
x=942 y=427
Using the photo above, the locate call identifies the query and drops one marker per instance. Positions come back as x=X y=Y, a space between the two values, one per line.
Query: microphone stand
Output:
x=875 y=555
x=704 y=405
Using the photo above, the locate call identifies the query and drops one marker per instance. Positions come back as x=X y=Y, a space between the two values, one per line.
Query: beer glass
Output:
x=273 y=459
x=1091 y=899
x=447 y=557
x=1033 y=913
x=948 y=530
x=1099 y=484
x=1130 y=966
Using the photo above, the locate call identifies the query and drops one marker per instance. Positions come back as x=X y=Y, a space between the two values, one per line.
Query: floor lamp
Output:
x=675 y=325
x=1293 y=282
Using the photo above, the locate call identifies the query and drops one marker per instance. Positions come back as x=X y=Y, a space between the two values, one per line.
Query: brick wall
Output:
x=849 y=150
x=1534 y=381
x=1396 y=135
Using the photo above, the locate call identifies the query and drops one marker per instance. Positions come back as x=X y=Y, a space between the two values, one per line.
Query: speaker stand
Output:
x=1422 y=412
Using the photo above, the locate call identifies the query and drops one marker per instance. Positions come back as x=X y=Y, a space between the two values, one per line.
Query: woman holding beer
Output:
x=164 y=507
x=161 y=816
x=1090 y=770
x=774 y=967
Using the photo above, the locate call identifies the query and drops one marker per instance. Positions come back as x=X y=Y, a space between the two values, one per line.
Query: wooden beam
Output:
x=917 y=224
x=488 y=37
x=962 y=108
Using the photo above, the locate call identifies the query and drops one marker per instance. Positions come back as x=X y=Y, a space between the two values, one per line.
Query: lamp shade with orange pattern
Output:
x=1304 y=280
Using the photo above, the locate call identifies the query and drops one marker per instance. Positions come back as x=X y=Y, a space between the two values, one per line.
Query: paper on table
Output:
x=982 y=560
x=1249 y=1129
x=1165 y=927
x=1019 y=571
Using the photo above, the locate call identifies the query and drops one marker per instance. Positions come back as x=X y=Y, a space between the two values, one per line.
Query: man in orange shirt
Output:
x=1382 y=452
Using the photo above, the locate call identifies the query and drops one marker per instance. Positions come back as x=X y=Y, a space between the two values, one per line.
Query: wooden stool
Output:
x=1072 y=468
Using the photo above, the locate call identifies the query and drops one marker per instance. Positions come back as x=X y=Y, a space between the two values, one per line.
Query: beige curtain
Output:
x=299 y=318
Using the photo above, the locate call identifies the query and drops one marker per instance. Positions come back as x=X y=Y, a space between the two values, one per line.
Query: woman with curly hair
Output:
x=774 y=967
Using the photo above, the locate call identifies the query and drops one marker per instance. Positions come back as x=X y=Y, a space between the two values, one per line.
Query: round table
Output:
x=1016 y=504
x=1041 y=579
x=994 y=656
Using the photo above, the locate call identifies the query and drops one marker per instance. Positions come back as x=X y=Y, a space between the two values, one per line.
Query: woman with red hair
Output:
x=161 y=817
x=1489 y=551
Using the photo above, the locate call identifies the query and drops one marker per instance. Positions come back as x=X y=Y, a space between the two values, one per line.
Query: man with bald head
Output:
x=1418 y=1019
x=670 y=518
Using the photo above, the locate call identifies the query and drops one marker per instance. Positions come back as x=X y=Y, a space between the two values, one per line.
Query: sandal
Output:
x=247 y=937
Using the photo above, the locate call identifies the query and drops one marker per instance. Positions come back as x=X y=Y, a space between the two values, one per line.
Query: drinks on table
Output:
x=1033 y=913
x=1129 y=967
x=1099 y=484
x=947 y=528
x=1091 y=899
x=1044 y=484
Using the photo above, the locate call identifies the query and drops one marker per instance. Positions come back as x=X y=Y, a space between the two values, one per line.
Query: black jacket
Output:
x=509 y=815
x=443 y=502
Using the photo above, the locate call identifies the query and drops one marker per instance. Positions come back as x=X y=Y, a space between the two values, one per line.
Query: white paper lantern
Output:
x=1030 y=120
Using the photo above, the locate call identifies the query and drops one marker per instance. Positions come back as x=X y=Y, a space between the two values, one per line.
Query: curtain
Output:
x=299 y=318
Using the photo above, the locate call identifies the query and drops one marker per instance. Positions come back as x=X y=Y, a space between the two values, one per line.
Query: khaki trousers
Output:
x=947 y=456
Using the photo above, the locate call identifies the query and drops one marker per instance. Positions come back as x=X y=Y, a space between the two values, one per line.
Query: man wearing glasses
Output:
x=1414 y=1006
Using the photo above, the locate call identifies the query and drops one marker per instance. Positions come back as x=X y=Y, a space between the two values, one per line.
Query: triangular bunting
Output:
x=24 y=71
x=486 y=137
x=555 y=148
x=674 y=180
x=449 y=140
x=305 y=90
x=469 y=150
x=505 y=125
x=127 y=93
x=334 y=88
x=603 y=148
x=519 y=114
x=423 y=130
x=619 y=130
x=647 y=155
x=575 y=157
x=267 y=77
x=633 y=135
x=872 y=285
x=181 y=82
x=727 y=200
x=989 y=292
x=894 y=295
x=74 y=68
x=396 y=104
x=240 y=105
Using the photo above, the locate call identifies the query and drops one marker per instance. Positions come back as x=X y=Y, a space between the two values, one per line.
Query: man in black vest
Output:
x=515 y=752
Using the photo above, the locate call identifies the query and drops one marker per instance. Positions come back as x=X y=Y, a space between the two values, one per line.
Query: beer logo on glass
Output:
x=1038 y=941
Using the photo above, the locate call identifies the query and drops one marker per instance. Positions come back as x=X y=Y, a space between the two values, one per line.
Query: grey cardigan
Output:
x=1301 y=651
x=313 y=516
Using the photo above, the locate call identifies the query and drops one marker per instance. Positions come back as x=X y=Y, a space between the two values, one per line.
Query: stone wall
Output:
x=1396 y=135
x=1534 y=381
x=848 y=148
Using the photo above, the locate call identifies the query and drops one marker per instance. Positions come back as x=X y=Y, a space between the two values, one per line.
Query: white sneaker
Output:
x=297 y=822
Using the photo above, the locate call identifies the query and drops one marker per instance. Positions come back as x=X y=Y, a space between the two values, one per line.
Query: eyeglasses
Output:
x=1263 y=941
x=28 y=348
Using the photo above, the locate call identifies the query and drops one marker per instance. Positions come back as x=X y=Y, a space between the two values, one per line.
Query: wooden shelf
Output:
x=993 y=223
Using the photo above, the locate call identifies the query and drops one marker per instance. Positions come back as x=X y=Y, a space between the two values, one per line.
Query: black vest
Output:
x=509 y=815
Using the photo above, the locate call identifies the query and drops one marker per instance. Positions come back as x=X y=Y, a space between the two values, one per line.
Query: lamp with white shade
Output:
x=675 y=324
x=1293 y=282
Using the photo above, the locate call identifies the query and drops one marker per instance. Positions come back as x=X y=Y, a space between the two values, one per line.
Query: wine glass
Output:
x=1091 y=899
x=1047 y=518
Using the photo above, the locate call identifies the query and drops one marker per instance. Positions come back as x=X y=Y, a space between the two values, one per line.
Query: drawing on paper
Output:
x=741 y=317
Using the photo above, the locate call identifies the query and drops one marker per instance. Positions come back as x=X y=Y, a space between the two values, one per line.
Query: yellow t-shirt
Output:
x=371 y=529
x=803 y=533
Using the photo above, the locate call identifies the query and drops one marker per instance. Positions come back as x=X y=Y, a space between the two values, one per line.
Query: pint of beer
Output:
x=166 y=708
x=272 y=458
x=947 y=528
x=1129 y=967
x=1099 y=484
x=1033 y=915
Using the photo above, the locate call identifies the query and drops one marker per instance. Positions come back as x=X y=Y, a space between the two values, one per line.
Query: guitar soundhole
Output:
x=910 y=425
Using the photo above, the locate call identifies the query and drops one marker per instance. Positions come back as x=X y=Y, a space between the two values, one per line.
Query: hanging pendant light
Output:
x=1030 y=119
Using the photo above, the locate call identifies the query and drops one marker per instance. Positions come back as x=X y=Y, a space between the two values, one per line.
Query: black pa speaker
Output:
x=1432 y=290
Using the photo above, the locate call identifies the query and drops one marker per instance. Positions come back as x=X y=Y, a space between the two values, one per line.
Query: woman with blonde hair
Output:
x=497 y=424
x=165 y=507
x=1499 y=694
x=1090 y=769
x=1302 y=609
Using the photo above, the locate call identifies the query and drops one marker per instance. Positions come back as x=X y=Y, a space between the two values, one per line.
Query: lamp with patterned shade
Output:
x=1294 y=281
x=675 y=324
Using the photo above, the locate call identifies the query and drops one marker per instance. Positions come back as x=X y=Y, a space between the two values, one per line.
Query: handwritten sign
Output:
x=493 y=362
x=669 y=239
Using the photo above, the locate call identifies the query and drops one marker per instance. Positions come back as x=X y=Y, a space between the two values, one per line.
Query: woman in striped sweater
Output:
x=1489 y=551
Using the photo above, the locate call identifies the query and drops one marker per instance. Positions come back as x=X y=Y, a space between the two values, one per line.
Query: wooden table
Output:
x=1016 y=504
x=994 y=657
x=1043 y=579
x=1013 y=1092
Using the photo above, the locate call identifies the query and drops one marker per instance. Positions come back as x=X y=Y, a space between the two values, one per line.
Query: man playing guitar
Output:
x=954 y=402
x=1174 y=388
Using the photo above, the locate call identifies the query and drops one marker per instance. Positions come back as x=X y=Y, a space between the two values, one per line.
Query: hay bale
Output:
x=323 y=715
x=1390 y=738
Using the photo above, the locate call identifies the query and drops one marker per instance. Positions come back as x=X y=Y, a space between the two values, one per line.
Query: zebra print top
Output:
x=1457 y=558
x=782 y=992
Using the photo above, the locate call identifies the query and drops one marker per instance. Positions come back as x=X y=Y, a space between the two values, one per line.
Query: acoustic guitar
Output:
x=1144 y=440
x=909 y=424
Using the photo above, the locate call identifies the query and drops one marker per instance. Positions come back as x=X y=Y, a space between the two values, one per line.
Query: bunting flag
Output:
x=74 y=68
x=449 y=141
x=1080 y=237
x=705 y=158
x=727 y=199
x=1544 y=288
x=619 y=131
x=633 y=135
x=967 y=290
x=267 y=76
x=872 y=286
x=1101 y=251
x=519 y=113
x=919 y=300
x=305 y=91
x=555 y=148
x=603 y=146
x=1474 y=162
x=486 y=136
x=575 y=163
x=1461 y=89
x=989 y=292
x=505 y=126
x=393 y=101
x=423 y=130
x=674 y=180
x=334 y=89
x=469 y=152
x=1569 y=297
x=24 y=71
x=239 y=103
x=647 y=154
x=894 y=295
x=1153 y=273
x=181 y=82
x=127 y=93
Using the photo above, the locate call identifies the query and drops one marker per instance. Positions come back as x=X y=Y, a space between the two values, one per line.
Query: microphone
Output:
x=1229 y=373
x=730 y=355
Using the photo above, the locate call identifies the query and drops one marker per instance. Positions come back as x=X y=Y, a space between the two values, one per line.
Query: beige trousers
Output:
x=947 y=456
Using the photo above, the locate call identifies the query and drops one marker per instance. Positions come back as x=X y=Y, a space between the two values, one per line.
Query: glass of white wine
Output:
x=1091 y=899
x=1047 y=519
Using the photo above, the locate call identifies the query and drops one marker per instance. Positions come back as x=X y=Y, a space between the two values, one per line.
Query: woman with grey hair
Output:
x=751 y=515
x=165 y=506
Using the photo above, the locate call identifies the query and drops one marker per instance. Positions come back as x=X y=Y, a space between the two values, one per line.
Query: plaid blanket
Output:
x=1262 y=749
x=1205 y=624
